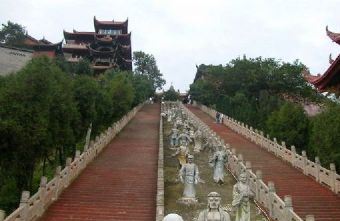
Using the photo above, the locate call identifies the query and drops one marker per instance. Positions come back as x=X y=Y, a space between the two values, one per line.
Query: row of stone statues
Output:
x=187 y=131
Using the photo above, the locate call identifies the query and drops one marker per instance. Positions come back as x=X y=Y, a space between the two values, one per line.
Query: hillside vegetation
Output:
x=255 y=91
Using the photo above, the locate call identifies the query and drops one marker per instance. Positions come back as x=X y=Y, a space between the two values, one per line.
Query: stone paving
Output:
x=121 y=183
x=309 y=197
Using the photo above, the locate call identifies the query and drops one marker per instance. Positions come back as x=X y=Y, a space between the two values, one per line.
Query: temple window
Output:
x=110 y=31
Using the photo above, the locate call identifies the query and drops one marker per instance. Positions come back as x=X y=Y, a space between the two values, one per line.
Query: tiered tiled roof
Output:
x=330 y=80
x=110 y=42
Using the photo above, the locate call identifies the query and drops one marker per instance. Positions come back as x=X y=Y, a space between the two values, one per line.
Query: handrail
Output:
x=322 y=175
x=160 y=178
x=265 y=195
x=33 y=207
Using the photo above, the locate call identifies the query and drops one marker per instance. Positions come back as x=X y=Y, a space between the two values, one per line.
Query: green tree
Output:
x=171 y=94
x=83 y=67
x=25 y=118
x=122 y=93
x=86 y=91
x=145 y=64
x=12 y=34
x=324 y=136
x=289 y=124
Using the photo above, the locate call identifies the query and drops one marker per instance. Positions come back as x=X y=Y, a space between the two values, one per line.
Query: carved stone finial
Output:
x=43 y=181
x=288 y=201
x=331 y=60
x=259 y=174
x=25 y=195
x=271 y=186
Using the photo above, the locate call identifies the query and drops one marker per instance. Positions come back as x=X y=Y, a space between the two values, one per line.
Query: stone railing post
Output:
x=304 y=158
x=57 y=177
x=293 y=150
x=258 y=185
x=79 y=164
x=262 y=139
x=2 y=215
x=25 y=195
x=317 y=169
x=42 y=190
x=275 y=147
x=267 y=145
x=248 y=167
x=310 y=218
x=271 y=192
x=239 y=167
x=68 y=175
x=288 y=207
x=333 y=177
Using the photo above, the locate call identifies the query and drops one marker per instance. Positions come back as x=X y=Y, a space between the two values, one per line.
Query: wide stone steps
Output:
x=121 y=183
x=309 y=197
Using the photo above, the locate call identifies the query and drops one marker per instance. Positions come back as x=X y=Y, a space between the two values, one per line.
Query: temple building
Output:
x=109 y=46
x=330 y=80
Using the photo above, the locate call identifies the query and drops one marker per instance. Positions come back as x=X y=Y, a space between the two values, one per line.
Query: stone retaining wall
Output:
x=12 y=59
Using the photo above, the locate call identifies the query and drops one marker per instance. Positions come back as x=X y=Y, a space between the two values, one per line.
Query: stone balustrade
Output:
x=322 y=175
x=160 y=179
x=33 y=207
x=265 y=195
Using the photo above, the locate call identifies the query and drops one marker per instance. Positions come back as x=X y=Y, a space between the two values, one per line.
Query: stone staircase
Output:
x=121 y=183
x=309 y=197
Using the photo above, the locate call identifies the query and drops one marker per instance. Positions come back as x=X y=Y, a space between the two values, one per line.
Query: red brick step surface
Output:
x=309 y=197
x=121 y=183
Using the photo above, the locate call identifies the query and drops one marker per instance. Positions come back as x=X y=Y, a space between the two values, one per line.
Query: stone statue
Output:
x=241 y=196
x=214 y=212
x=189 y=175
x=218 y=161
x=173 y=138
x=198 y=141
x=181 y=153
x=184 y=137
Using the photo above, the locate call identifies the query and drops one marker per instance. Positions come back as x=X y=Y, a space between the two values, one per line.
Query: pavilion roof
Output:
x=92 y=35
x=322 y=82
x=48 y=47
x=332 y=35
x=331 y=78
x=110 y=24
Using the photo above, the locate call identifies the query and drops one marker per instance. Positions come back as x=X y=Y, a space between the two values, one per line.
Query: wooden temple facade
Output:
x=330 y=80
x=109 y=46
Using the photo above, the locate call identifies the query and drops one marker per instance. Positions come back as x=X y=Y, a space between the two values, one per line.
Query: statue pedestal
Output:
x=187 y=201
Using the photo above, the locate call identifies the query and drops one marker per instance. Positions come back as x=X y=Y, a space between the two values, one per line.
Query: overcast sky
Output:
x=183 y=33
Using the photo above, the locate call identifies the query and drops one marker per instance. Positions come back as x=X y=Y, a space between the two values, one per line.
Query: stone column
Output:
x=25 y=195
x=2 y=215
